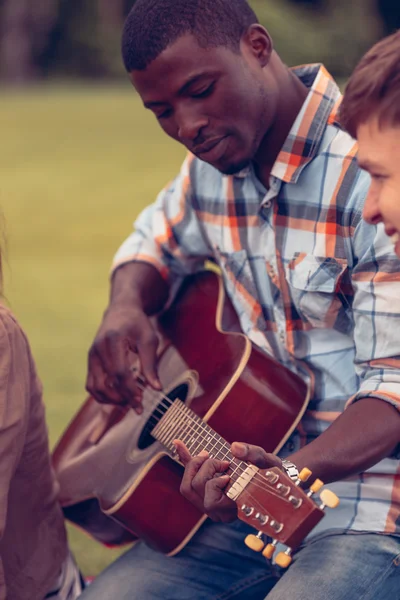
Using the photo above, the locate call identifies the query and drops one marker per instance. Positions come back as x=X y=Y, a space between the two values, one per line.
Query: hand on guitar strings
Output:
x=125 y=345
x=205 y=479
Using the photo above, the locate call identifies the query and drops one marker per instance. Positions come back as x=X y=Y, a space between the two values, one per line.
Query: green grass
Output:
x=76 y=167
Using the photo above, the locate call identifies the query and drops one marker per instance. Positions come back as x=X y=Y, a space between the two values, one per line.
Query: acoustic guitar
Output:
x=119 y=474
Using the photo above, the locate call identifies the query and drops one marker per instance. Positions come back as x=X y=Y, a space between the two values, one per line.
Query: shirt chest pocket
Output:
x=315 y=285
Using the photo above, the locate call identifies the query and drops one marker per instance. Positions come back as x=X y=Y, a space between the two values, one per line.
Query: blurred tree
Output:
x=336 y=34
x=390 y=12
x=24 y=34
x=88 y=40
x=111 y=16
x=16 y=47
x=78 y=51
x=111 y=13
x=81 y=38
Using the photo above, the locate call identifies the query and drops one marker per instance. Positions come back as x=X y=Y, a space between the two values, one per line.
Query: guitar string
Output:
x=194 y=424
x=256 y=505
x=257 y=480
x=258 y=477
x=238 y=469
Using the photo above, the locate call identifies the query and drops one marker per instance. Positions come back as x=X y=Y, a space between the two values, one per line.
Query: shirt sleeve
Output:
x=376 y=310
x=14 y=383
x=168 y=234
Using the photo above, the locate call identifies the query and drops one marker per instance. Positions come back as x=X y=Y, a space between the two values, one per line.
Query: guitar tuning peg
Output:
x=255 y=542
x=304 y=475
x=329 y=499
x=315 y=487
x=269 y=549
x=283 y=559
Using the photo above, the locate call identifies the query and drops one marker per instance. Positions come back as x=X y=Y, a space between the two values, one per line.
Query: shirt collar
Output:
x=319 y=110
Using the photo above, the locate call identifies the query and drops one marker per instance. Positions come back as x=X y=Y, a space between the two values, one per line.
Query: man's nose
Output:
x=190 y=126
x=371 y=212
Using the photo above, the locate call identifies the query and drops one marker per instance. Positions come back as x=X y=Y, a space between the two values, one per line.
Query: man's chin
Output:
x=232 y=168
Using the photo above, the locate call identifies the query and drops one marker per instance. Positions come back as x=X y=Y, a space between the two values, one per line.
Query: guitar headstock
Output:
x=276 y=506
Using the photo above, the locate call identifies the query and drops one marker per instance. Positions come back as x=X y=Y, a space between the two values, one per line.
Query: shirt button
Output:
x=267 y=204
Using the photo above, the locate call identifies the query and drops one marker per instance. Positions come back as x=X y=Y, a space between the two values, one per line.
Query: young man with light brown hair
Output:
x=371 y=113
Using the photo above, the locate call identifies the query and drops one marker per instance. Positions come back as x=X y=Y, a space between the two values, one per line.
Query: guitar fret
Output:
x=186 y=436
x=205 y=437
x=173 y=428
x=186 y=427
x=210 y=439
x=219 y=445
x=194 y=423
x=173 y=434
x=180 y=422
x=239 y=468
x=184 y=424
x=196 y=444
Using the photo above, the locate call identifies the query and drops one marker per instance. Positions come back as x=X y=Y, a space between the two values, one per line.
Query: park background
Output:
x=80 y=157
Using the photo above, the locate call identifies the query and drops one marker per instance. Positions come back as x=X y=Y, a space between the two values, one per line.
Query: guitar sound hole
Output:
x=146 y=439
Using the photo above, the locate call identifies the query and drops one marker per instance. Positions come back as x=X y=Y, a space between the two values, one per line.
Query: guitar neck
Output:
x=181 y=423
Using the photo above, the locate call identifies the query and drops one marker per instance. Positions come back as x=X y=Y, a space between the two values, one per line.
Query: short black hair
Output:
x=153 y=25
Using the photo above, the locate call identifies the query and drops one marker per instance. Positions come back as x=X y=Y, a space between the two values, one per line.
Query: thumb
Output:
x=183 y=452
x=255 y=455
x=215 y=489
x=220 y=483
x=148 y=357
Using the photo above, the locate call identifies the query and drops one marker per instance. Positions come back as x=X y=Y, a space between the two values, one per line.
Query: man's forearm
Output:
x=364 y=434
x=139 y=283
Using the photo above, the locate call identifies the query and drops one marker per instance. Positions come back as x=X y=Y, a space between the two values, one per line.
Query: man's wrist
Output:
x=141 y=285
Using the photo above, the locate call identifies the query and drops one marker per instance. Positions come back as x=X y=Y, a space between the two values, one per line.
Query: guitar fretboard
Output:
x=180 y=422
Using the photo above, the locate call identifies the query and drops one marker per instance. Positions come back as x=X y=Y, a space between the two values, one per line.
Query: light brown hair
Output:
x=373 y=89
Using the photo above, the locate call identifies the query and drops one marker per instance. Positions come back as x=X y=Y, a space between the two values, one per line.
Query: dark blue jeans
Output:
x=216 y=565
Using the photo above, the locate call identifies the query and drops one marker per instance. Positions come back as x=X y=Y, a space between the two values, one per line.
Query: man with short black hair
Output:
x=271 y=192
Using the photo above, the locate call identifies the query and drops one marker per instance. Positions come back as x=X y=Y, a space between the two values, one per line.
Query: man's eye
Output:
x=164 y=115
x=204 y=93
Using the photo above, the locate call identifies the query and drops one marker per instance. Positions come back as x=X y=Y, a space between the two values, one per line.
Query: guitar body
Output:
x=117 y=481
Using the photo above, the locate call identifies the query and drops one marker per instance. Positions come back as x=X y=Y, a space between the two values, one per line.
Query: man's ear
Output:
x=259 y=43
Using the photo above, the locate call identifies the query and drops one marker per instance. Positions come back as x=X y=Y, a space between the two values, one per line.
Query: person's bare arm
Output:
x=139 y=284
x=137 y=291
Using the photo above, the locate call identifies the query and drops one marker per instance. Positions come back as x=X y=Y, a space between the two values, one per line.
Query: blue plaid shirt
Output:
x=312 y=283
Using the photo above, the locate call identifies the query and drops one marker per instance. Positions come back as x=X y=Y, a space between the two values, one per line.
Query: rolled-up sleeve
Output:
x=168 y=234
